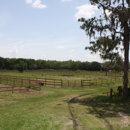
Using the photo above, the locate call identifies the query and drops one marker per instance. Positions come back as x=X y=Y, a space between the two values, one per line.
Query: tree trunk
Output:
x=126 y=62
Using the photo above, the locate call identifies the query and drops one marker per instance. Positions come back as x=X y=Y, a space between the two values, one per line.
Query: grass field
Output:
x=55 y=73
x=63 y=109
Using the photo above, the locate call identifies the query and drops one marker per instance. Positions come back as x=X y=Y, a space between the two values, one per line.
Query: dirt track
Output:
x=90 y=103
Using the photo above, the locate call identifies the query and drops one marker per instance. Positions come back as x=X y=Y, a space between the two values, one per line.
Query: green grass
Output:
x=35 y=110
x=50 y=73
x=49 y=109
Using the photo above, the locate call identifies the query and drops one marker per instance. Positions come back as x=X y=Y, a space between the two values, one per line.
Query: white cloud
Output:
x=65 y=0
x=36 y=3
x=85 y=11
x=28 y=1
x=14 y=51
x=60 y=47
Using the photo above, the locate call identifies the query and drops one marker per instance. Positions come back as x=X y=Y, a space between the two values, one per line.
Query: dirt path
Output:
x=72 y=115
x=75 y=124
x=90 y=103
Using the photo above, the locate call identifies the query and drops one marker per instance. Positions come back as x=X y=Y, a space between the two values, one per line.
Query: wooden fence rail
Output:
x=29 y=83
x=13 y=89
x=96 y=82
x=37 y=83
x=50 y=82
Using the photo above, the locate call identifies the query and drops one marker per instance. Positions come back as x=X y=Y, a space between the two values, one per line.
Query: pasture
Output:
x=70 y=107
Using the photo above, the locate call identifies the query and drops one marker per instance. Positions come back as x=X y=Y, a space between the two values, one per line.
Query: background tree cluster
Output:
x=31 y=64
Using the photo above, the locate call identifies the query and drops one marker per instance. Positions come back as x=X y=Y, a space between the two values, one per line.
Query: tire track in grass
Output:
x=75 y=124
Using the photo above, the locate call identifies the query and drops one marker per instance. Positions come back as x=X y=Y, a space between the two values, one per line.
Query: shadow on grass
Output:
x=103 y=105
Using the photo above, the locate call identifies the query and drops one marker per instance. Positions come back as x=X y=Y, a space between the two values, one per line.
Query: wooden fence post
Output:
x=13 y=86
x=54 y=82
x=22 y=82
x=45 y=81
x=61 y=83
x=14 y=82
x=29 y=83
x=81 y=83
x=90 y=83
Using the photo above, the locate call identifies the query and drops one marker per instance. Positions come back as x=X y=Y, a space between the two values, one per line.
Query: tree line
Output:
x=22 y=64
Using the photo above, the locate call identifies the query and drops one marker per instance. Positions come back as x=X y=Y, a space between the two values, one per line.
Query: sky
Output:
x=45 y=29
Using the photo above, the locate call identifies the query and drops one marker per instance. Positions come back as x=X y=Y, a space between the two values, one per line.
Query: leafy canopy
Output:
x=115 y=25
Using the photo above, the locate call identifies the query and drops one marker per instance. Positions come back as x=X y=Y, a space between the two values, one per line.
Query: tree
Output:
x=95 y=66
x=117 y=24
x=85 y=66
x=106 y=48
x=21 y=66
x=106 y=66
x=2 y=63
x=107 y=51
x=30 y=64
x=117 y=63
x=41 y=64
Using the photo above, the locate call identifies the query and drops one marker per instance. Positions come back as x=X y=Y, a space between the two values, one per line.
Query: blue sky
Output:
x=45 y=29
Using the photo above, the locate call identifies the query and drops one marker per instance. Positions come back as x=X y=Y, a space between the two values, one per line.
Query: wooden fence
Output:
x=50 y=82
x=96 y=82
x=18 y=83
x=72 y=83
x=5 y=88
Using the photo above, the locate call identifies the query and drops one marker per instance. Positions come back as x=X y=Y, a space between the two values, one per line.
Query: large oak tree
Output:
x=116 y=24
